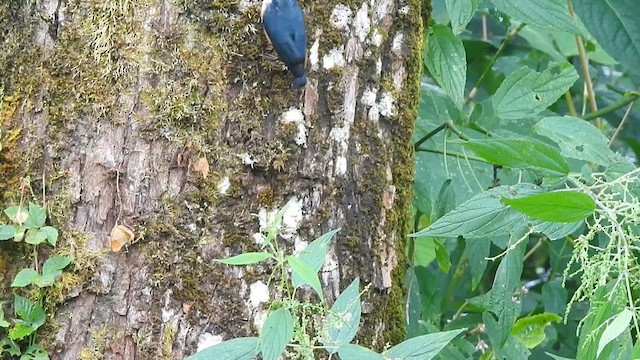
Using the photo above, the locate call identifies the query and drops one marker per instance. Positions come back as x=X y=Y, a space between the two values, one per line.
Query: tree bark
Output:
x=171 y=118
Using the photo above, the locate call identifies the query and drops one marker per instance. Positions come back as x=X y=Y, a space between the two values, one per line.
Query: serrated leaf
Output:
x=35 y=236
x=477 y=252
x=555 y=231
x=554 y=297
x=482 y=216
x=245 y=259
x=28 y=312
x=615 y=27
x=51 y=233
x=423 y=347
x=547 y=14
x=578 y=139
x=24 y=277
x=619 y=324
x=37 y=217
x=307 y=274
x=7 y=232
x=501 y=300
x=527 y=92
x=460 y=13
x=357 y=352
x=446 y=61
x=314 y=254
x=530 y=330
x=519 y=153
x=17 y=214
x=245 y=348
x=9 y=346
x=277 y=332
x=55 y=264
x=511 y=349
x=557 y=206
x=344 y=319
x=35 y=352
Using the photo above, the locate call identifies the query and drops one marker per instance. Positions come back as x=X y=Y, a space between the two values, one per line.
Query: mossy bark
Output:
x=169 y=117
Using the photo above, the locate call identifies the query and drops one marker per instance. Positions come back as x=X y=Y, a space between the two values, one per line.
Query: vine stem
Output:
x=624 y=100
x=512 y=34
x=584 y=67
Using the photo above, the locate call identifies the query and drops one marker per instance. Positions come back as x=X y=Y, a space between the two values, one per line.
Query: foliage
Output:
x=295 y=328
x=18 y=337
x=527 y=190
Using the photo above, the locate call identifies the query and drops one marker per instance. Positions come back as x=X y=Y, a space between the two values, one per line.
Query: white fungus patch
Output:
x=376 y=38
x=340 y=17
x=379 y=66
x=295 y=116
x=396 y=44
x=362 y=23
x=247 y=159
x=259 y=318
x=291 y=218
x=224 y=185
x=299 y=245
x=258 y=238
x=341 y=165
x=258 y=293
x=334 y=58
x=386 y=105
x=369 y=97
x=313 y=55
x=244 y=5
x=206 y=340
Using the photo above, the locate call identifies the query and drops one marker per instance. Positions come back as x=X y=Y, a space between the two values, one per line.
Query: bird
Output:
x=285 y=28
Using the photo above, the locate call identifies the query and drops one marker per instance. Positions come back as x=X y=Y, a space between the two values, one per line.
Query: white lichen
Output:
x=258 y=294
x=334 y=58
x=296 y=117
x=313 y=55
x=340 y=17
x=362 y=23
x=386 y=105
x=224 y=185
x=206 y=340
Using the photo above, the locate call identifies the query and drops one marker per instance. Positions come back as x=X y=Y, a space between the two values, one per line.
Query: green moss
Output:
x=99 y=340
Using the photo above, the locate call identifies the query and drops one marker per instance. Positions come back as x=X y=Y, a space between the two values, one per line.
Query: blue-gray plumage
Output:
x=284 y=26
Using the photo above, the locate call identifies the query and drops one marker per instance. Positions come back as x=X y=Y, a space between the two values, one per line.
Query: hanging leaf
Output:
x=342 y=324
x=277 y=332
x=557 y=206
x=446 y=61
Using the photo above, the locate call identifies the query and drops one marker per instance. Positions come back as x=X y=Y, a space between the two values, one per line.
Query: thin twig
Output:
x=622 y=122
x=624 y=100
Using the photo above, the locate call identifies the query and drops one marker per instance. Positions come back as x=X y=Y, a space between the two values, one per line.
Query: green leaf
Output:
x=307 y=274
x=554 y=297
x=423 y=347
x=546 y=14
x=442 y=256
x=577 y=139
x=482 y=216
x=460 y=13
x=477 y=252
x=35 y=236
x=555 y=231
x=511 y=349
x=277 y=332
x=37 y=217
x=17 y=214
x=51 y=233
x=527 y=92
x=245 y=348
x=56 y=263
x=3 y=322
x=30 y=313
x=24 y=278
x=615 y=25
x=556 y=357
x=313 y=255
x=501 y=299
x=7 y=232
x=35 y=352
x=342 y=323
x=446 y=61
x=20 y=330
x=557 y=206
x=357 y=352
x=445 y=202
x=9 y=346
x=245 y=259
x=619 y=324
x=530 y=330
x=519 y=153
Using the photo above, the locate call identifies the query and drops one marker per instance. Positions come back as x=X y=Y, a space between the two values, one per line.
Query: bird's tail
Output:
x=300 y=81
x=300 y=78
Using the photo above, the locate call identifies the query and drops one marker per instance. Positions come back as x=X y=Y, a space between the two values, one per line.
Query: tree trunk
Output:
x=170 y=118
